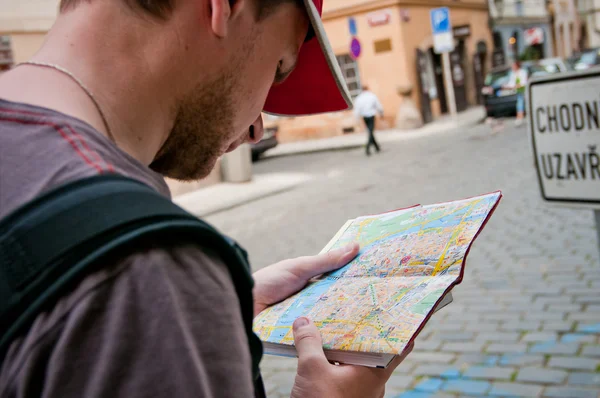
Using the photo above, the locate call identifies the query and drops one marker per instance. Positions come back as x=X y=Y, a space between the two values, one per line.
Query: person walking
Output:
x=367 y=106
x=518 y=82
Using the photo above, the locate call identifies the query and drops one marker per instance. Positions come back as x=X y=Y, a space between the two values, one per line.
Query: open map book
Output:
x=369 y=311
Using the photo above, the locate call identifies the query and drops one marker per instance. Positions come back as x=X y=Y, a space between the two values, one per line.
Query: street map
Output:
x=408 y=260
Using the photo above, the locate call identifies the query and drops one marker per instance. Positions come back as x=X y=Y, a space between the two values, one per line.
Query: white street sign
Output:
x=443 y=43
x=564 y=113
x=443 y=38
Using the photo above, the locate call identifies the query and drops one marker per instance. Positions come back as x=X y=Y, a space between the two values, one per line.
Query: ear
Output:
x=220 y=15
x=222 y=12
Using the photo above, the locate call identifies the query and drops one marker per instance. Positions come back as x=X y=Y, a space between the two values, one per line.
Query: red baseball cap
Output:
x=317 y=84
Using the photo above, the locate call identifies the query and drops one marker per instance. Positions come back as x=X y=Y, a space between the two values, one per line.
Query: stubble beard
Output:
x=203 y=125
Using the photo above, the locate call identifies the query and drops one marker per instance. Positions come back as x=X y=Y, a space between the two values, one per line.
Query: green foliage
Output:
x=531 y=53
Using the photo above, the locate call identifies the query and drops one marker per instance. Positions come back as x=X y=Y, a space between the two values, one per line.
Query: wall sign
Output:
x=533 y=36
x=383 y=46
x=443 y=40
x=352 y=26
x=461 y=31
x=378 y=18
x=355 y=48
x=405 y=14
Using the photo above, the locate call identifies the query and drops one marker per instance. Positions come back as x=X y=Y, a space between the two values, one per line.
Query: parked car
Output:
x=268 y=141
x=585 y=59
x=546 y=66
x=500 y=101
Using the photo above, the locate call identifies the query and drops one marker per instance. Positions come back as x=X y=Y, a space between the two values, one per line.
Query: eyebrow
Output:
x=281 y=76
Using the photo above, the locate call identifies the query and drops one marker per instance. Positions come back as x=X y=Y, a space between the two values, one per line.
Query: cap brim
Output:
x=317 y=84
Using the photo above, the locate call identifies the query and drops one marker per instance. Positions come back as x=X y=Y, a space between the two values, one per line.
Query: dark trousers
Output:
x=370 y=122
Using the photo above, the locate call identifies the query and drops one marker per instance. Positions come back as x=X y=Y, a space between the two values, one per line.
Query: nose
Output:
x=256 y=130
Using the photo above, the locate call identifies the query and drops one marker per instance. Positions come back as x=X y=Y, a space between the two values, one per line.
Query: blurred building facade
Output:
x=23 y=26
x=536 y=29
x=589 y=17
x=397 y=60
x=521 y=29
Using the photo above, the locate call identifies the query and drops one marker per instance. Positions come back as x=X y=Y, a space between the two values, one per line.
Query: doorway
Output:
x=459 y=76
x=423 y=81
x=438 y=72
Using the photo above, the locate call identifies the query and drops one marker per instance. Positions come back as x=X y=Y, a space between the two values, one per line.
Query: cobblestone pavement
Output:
x=525 y=320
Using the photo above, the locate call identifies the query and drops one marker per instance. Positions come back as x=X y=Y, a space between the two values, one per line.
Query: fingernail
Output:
x=300 y=322
x=350 y=248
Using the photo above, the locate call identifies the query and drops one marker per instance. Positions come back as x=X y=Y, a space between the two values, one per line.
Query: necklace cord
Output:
x=80 y=84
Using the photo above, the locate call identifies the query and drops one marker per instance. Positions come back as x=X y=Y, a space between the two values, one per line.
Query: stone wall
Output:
x=321 y=126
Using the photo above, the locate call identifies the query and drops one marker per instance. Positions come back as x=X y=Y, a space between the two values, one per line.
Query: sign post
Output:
x=443 y=43
x=564 y=112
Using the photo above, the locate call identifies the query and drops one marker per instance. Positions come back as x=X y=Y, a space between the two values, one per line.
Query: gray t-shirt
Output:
x=164 y=322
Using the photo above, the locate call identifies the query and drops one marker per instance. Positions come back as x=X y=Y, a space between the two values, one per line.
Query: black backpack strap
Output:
x=57 y=238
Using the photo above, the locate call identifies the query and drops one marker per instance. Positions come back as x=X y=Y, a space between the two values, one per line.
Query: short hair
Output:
x=162 y=8
x=157 y=8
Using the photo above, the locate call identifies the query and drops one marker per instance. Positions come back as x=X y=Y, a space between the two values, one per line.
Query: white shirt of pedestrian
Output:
x=518 y=78
x=367 y=105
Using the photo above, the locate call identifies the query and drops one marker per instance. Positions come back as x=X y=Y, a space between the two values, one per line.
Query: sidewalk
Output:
x=225 y=196
x=445 y=124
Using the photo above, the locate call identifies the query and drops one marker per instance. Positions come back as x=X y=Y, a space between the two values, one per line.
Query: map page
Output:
x=409 y=259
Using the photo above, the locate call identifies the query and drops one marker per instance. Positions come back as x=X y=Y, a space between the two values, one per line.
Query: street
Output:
x=526 y=319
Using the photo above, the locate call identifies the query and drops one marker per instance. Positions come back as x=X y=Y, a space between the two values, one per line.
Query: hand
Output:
x=318 y=378
x=278 y=282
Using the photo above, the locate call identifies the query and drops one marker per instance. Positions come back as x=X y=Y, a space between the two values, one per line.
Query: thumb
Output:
x=337 y=258
x=307 y=340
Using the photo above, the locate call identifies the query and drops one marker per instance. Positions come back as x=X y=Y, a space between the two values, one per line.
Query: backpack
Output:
x=54 y=241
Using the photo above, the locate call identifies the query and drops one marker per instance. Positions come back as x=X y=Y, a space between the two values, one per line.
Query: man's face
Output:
x=215 y=117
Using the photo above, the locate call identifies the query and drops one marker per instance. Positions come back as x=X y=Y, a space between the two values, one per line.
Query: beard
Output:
x=202 y=129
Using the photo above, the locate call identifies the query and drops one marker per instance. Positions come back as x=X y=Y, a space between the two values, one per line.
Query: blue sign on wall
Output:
x=352 y=26
x=355 y=48
x=440 y=20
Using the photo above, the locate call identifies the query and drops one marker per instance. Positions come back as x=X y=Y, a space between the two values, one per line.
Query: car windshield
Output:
x=497 y=79
x=587 y=58
x=544 y=68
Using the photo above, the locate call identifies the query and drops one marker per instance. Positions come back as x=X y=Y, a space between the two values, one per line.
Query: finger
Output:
x=309 y=345
x=329 y=261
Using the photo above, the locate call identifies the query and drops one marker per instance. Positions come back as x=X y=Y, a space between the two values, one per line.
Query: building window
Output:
x=497 y=38
x=519 y=8
x=349 y=68
x=6 y=57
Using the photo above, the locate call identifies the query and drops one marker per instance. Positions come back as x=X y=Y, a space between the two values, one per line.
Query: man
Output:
x=366 y=106
x=518 y=82
x=146 y=88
